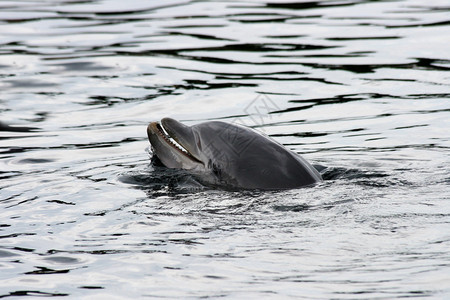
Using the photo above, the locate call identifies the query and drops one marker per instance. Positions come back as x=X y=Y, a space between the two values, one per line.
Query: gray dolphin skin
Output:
x=229 y=155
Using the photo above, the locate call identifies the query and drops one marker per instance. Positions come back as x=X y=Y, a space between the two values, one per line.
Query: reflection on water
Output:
x=360 y=88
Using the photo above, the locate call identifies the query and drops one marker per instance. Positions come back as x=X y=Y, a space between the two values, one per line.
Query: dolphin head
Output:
x=230 y=155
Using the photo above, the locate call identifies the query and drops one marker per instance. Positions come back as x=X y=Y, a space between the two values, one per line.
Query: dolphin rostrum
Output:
x=229 y=155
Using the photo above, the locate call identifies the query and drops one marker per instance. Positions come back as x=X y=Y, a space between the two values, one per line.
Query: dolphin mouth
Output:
x=172 y=141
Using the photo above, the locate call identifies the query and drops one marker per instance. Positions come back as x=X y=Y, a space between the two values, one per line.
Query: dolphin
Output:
x=229 y=155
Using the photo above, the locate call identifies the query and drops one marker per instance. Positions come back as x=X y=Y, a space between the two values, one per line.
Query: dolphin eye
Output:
x=215 y=169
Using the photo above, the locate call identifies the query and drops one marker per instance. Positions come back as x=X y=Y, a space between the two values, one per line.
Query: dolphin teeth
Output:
x=171 y=141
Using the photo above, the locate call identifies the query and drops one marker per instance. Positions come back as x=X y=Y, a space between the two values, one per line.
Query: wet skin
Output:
x=229 y=155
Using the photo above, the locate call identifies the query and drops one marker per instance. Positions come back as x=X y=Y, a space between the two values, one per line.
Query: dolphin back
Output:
x=242 y=158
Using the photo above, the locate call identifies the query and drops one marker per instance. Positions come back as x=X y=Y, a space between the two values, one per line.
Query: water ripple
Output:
x=358 y=87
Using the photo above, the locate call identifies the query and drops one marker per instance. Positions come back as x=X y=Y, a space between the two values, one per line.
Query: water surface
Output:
x=360 y=87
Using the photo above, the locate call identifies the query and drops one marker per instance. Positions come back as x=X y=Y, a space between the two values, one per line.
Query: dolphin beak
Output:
x=171 y=139
x=182 y=134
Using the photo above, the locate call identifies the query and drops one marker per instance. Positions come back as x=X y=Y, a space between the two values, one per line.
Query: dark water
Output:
x=361 y=87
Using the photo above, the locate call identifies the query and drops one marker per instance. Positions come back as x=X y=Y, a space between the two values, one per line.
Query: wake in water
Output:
x=156 y=178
